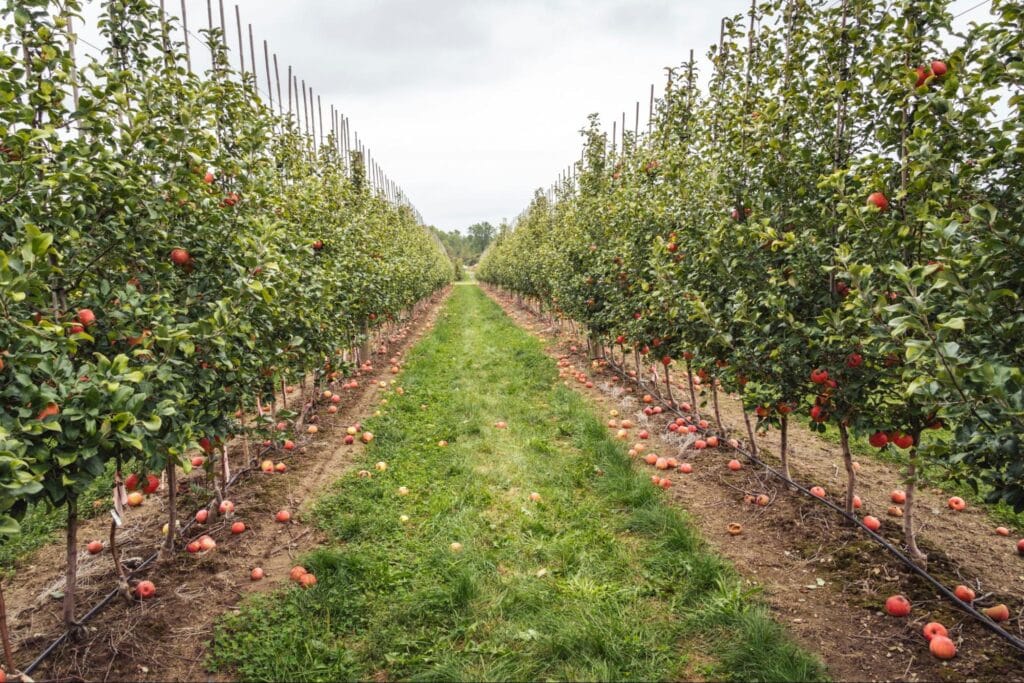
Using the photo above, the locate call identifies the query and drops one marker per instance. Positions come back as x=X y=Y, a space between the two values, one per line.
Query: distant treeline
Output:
x=467 y=248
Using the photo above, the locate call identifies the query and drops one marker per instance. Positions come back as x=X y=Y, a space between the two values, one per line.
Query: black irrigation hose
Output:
x=985 y=621
x=98 y=607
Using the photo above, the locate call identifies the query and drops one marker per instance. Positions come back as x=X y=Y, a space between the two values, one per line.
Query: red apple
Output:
x=49 y=410
x=86 y=317
x=872 y=523
x=897 y=606
x=180 y=257
x=152 y=484
x=256 y=574
x=817 y=492
x=735 y=465
x=898 y=497
x=939 y=68
x=283 y=516
x=964 y=593
x=145 y=590
x=202 y=516
x=95 y=547
x=237 y=528
x=878 y=439
x=879 y=200
x=933 y=629
x=942 y=647
x=922 y=76
x=997 y=612
x=903 y=441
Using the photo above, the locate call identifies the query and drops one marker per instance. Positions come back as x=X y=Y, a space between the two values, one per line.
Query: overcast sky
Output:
x=470 y=105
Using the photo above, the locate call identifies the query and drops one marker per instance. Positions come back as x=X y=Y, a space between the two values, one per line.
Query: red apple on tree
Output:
x=180 y=257
x=879 y=200
x=86 y=317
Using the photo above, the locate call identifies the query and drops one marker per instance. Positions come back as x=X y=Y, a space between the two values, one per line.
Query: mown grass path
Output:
x=598 y=580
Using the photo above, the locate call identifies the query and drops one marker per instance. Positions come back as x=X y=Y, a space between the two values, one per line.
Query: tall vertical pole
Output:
x=223 y=26
x=289 y=87
x=74 y=68
x=650 y=112
x=252 y=60
x=266 y=62
x=305 y=111
x=277 y=78
x=209 y=20
x=320 y=117
x=241 y=44
x=184 y=29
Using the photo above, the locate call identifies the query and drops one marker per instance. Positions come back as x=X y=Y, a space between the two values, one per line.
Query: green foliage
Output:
x=740 y=230
x=94 y=200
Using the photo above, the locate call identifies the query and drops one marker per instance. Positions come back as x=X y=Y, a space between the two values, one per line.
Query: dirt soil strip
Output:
x=165 y=638
x=825 y=581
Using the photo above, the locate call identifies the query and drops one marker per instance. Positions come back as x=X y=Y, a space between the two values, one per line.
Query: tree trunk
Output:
x=784 y=446
x=172 y=508
x=693 y=391
x=365 y=350
x=851 y=476
x=909 y=535
x=668 y=388
x=71 y=569
x=718 y=416
x=5 y=635
x=750 y=433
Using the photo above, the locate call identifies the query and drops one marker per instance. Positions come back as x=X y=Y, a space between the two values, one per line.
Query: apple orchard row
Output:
x=172 y=254
x=832 y=228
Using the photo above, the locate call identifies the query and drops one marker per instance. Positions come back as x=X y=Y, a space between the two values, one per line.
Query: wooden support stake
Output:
x=277 y=78
x=241 y=44
x=266 y=62
x=74 y=74
x=223 y=26
x=320 y=116
x=289 y=87
x=650 y=112
x=252 y=60
x=209 y=19
x=184 y=28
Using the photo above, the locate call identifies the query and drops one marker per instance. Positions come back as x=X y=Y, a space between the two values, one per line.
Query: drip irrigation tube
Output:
x=98 y=607
x=965 y=607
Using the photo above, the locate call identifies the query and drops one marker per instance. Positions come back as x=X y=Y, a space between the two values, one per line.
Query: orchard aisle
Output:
x=469 y=576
